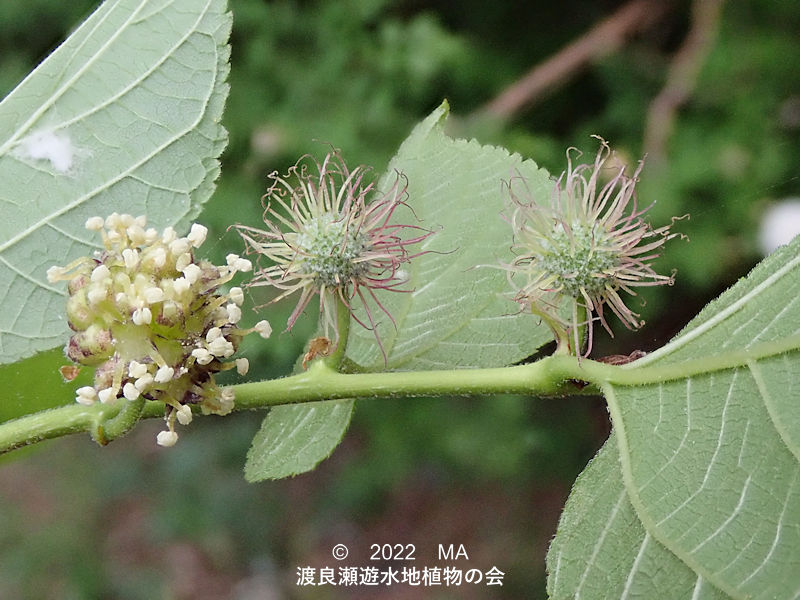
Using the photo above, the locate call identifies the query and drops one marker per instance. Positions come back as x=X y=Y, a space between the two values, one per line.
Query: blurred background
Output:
x=709 y=90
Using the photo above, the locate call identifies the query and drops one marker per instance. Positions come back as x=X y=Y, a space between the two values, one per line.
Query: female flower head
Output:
x=324 y=238
x=578 y=250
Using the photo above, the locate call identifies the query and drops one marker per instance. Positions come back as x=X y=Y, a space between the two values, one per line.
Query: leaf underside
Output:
x=292 y=441
x=707 y=471
x=602 y=550
x=124 y=116
x=457 y=314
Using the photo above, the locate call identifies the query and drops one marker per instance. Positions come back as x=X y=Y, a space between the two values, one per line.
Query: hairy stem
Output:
x=556 y=375
x=552 y=376
x=121 y=423
x=343 y=330
x=74 y=418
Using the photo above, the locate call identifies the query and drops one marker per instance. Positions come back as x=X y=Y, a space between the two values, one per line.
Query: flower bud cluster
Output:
x=150 y=317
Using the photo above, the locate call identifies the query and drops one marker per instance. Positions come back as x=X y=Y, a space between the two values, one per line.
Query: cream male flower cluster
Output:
x=577 y=250
x=150 y=317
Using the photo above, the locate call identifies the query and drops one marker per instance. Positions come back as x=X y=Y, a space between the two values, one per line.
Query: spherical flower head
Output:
x=151 y=318
x=324 y=238
x=579 y=249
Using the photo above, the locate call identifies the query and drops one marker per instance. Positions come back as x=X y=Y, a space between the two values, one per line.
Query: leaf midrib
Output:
x=747 y=359
x=637 y=373
x=59 y=92
x=106 y=184
x=722 y=315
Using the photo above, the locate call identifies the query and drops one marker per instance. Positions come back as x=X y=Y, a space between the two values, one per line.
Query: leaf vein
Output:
x=635 y=566
x=601 y=538
x=778 y=531
x=67 y=85
x=715 y=455
x=730 y=518
x=28 y=277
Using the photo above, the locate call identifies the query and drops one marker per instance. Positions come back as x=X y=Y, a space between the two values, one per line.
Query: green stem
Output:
x=342 y=331
x=559 y=332
x=120 y=424
x=46 y=424
x=552 y=376
x=548 y=377
x=582 y=316
x=321 y=382
x=105 y=422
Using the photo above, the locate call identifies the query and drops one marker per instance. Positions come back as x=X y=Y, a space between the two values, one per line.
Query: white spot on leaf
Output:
x=56 y=148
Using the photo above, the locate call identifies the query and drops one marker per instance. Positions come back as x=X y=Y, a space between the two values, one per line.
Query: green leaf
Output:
x=35 y=384
x=709 y=442
x=123 y=116
x=459 y=313
x=293 y=439
x=602 y=550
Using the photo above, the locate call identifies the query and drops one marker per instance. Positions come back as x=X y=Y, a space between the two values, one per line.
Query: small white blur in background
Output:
x=780 y=224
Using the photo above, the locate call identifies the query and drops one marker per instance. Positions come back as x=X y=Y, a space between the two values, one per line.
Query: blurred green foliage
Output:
x=126 y=521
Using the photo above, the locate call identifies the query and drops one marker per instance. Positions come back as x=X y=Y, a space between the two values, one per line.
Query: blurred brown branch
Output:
x=604 y=38
x=682 y=77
